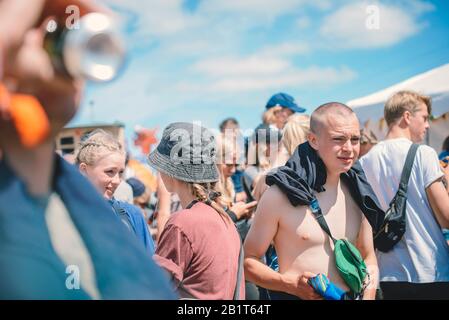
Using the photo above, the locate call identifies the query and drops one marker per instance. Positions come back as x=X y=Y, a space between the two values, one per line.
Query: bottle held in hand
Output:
x=92 y=50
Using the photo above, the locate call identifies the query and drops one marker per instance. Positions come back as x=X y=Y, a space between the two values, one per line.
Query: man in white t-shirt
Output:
x=418 y=266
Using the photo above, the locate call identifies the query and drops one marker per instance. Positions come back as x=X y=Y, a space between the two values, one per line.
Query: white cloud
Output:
x=155 y=18
x=310 y=77
x=416 y=7
x=214 y=26
x=280 y=75
x=285 y=49
x=193 y=47
x=268 y=60
x=239 y=50
x=266 y=8
x=166 y=18
x=356 y=25
x=255 y=65
x=323 y=4
x=303 y=23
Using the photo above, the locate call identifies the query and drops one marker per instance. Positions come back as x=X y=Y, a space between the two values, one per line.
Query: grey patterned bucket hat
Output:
x=186 y=152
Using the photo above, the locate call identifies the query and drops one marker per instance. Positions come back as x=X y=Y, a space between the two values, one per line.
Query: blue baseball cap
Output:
x=137 y=186
x=284 y=100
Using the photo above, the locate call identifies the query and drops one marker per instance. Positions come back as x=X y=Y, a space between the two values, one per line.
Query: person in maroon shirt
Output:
x=199 y=245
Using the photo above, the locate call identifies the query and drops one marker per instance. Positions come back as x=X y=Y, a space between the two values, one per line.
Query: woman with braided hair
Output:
x=101 y=159
x=199 y=246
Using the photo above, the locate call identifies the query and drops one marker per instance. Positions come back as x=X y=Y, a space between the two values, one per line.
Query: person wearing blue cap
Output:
x=278 y=108
x=444 y=154
x=141 y=198
x=137 y=186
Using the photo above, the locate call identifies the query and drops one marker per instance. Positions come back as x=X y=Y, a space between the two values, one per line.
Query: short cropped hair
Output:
x=403 y=101
x=336 y=108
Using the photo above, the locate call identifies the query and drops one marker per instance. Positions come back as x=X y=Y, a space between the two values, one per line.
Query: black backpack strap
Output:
x=403 y=185
x=247 y=188
x=239 y=274
x=318 y=214
x=191 y=204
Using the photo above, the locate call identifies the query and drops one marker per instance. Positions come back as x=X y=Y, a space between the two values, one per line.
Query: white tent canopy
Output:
x=434 y=83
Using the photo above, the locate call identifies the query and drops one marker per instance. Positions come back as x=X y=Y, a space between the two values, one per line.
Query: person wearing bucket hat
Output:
x=199 y=246
x=187 y=153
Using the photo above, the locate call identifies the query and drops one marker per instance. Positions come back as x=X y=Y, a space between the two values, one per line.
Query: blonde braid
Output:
x=206 y=193
x=97 y=144
x=199 y=192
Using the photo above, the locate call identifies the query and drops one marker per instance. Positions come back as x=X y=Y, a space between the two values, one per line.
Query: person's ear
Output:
x=83 y=168
x=313 y=140
x=407 y=117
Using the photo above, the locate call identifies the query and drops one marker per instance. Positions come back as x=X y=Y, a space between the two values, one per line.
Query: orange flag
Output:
x=145 y=138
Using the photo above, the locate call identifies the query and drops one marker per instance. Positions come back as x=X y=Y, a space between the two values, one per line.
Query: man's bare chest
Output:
x=340 y=212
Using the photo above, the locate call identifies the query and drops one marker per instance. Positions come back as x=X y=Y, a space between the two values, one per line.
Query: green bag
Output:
x=348 y=259
x=350 y=265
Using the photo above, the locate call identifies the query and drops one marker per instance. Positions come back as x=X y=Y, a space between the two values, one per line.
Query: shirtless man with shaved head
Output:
x=303 y=249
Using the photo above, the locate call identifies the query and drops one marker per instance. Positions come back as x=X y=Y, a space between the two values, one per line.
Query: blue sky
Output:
x=208 y=60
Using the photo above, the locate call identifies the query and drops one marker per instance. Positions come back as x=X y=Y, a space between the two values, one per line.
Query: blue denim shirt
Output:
x=138 y=223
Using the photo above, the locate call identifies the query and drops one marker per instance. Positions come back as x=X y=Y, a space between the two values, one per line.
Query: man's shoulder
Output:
x=426 y=151
x=274 y=195
x=386 y=149
x=427 y=160
x=275 y=200
x=424 y=154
